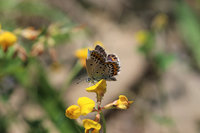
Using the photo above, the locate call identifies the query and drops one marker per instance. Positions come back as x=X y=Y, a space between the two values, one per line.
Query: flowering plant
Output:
x=87 y=105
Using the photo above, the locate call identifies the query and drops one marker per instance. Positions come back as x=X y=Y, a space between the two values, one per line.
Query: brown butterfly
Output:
x=99 y=65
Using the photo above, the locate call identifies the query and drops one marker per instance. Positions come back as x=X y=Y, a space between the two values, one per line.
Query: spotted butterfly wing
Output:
x=95 y=65
x=113 y=65
x=112 y=57
x=100 y=66
x=100 y=50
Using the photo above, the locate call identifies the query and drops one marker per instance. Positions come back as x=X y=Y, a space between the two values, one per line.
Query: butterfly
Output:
x=99 y=65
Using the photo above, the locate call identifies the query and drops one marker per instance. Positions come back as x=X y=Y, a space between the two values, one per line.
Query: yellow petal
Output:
x=90 y=124
x=121 y=106
x=123 y=98
x=81 y=53
x=99 y=88
x=98 y=43
x=7 y=39
x=73 y=112
x=86 y=105
x=122 y=102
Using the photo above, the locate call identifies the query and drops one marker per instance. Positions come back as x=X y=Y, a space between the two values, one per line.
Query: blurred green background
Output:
x=157 y=41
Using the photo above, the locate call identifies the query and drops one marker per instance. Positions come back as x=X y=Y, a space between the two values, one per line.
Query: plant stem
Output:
x=103 y=122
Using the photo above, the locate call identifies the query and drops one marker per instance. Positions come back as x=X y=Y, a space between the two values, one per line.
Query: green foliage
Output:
x=163 y=120
x=3 y=124
x=163 y=60
x=74 y=72
x=149 y=44
x=30 y=74
x=32 y=7
x=188 y=24
x=49 y=99
x=160 y=59
x=36 y=127
x=41 y=91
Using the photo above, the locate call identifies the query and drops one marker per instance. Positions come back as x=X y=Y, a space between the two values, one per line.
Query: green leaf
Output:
x=189 y=27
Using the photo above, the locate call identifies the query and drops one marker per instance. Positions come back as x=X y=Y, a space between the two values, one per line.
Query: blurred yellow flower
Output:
x=99 y=88
x=73 y=112
x=141 y=36
x=81 y=54
x=160 y=21
x=7 y=39
x=86 y=105
x=91 y=125
x=122 y=102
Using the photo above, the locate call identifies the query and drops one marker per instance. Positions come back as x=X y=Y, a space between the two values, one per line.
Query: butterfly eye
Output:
x=90 y=64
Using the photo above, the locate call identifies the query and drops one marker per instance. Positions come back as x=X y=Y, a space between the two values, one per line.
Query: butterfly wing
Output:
x=100 y=66
x=112 y=57
x=101 y=50
x=112 y=69
x=95 y=65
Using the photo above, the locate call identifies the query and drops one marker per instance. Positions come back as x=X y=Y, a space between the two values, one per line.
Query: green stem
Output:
x=52 y=103
x=104 y=122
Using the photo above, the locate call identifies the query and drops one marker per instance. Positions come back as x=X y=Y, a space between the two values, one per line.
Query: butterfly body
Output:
x=99 y=65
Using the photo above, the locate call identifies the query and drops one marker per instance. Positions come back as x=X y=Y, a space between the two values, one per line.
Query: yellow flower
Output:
x=122 y=102
x=73 y=112
x=99 y=88
x=91 y=125
x=82 y=55
x=7 y=39
x=86 y=105
x=160 y=21
x=141 y=36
